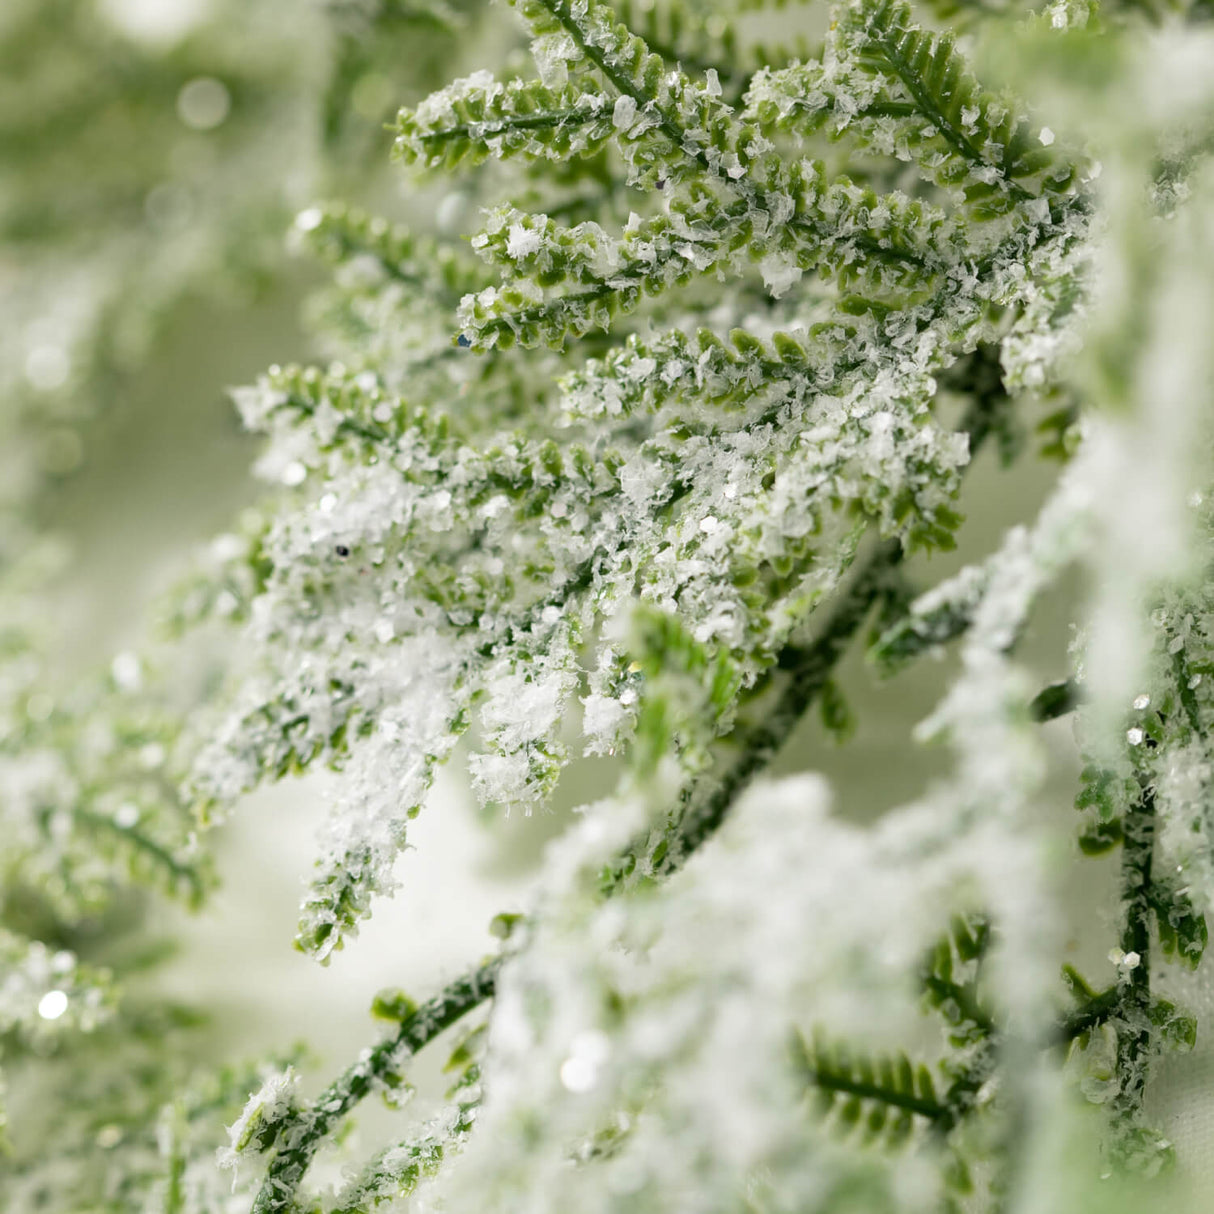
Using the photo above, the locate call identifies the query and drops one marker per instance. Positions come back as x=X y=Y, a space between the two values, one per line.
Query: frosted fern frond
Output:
x=648 y=115
x=323 y=710
x=728 y=487
x=479 y=118
x=907 y=92
x=885 y=1098
x=685 y=521
x=952 y=976
x=339 y=234
x=613 y=1073
x=88 y=794
x=938 y=616
x=839 y=230
x=775 y=533
x=390 y=710
x=784 y=213
x=397 y=1171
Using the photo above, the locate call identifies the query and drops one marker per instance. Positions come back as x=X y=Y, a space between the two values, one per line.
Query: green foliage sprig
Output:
x=657 y=442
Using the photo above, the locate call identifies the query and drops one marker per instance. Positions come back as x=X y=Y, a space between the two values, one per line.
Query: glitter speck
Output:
x=579 y=1072
x=151 y=756
x=127 y=671
x=126 y=816
x=52 y=1005
x=47 y=367
x=309 y=220
x=1134 y=736
x=1046 y=136
x=203 y=103
x=1141 y=702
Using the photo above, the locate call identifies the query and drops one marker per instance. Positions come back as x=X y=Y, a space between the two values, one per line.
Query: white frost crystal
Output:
x=266 y=1109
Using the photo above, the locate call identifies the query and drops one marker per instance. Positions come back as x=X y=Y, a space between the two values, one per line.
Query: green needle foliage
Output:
x=624 y=460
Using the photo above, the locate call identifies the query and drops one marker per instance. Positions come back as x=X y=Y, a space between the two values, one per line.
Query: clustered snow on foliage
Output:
x=654 y=444
x=442 y=570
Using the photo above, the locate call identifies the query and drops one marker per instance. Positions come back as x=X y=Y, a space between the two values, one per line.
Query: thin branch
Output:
x=703 y=811
x=1134 y=1042
x=925 y=103
x=1088 y=1016
x=933 y=1110
x=305 y=1137
x=705 y=804
x=141 y=841
x=809 y=668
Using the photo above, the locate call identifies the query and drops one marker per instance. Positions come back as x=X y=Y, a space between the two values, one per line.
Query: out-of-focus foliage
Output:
x=150 y=155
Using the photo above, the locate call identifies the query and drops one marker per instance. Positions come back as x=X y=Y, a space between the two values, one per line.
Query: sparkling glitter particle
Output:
x=52 y=1005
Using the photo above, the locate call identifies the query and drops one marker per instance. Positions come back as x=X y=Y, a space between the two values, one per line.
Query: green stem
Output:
x=288 y=1166
x=931 y=1109
x=574 y=115
x=1134 y=992
x=141 y=841
x=809 y=669
x=1090 y=1015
